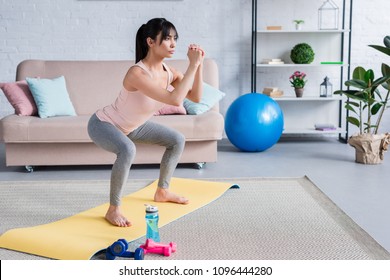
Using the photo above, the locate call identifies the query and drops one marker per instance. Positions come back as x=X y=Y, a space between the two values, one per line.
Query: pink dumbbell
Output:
x=158 y=248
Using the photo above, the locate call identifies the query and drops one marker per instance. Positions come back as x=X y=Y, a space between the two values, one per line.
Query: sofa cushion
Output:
x=51 y=97
x=210 y=97
x=30 y=129
x=208 y=126
x=19 y=96
x=171 y=110
x=34 y=129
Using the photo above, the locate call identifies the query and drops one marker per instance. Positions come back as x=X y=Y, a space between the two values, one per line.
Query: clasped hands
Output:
x=195 y=53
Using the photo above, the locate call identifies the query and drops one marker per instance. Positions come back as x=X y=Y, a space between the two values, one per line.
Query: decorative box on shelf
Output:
x=274 y=27
x=325 y=127
x=273 y=92
x=272 y=61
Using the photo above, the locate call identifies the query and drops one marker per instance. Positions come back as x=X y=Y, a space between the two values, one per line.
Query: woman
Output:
x=118 y=126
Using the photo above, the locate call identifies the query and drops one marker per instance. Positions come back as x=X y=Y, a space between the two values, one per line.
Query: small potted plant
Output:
x=368 y=99
x=298 y=81
x=298 y=23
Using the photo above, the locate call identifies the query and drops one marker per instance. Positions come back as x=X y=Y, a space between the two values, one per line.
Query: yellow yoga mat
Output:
x=81 y=236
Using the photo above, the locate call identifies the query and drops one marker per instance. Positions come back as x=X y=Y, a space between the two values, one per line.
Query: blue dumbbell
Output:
x=119 y=249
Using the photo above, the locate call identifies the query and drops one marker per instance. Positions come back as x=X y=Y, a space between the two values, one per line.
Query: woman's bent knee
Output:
x=179 y=140
x=127 y=152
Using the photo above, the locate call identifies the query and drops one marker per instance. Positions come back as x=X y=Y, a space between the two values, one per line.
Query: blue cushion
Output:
x=51 y=97
x=210 y=97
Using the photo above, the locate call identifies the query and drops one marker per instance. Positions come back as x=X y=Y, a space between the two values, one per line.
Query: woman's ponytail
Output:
x=141 y=48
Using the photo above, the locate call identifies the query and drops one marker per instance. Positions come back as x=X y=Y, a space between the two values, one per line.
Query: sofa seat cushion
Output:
x=19 y=129
x=208 y=126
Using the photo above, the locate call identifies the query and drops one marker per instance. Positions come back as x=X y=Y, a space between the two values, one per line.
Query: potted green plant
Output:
x=298 y=82
x=369 y=98
x=302 y=53
x=298 y=23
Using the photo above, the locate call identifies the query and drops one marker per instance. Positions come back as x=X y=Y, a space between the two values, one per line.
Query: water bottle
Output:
x=151 y=217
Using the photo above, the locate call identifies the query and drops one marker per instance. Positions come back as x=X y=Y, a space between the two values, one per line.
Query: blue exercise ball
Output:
x=254 y=122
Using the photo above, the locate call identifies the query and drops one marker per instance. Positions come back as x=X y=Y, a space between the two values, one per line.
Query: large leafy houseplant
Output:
x=369 y=97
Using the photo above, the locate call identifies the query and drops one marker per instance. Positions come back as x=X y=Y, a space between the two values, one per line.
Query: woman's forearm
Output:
x=185 y=85
x=197 y=89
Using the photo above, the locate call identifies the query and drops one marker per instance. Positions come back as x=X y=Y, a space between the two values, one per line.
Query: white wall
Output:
x=103 y=30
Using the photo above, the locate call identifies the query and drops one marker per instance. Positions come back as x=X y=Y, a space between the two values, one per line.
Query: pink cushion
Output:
x=20 y=97
x=171 y=110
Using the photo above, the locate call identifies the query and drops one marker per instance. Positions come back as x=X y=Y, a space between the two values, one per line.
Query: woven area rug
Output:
x=267 y=218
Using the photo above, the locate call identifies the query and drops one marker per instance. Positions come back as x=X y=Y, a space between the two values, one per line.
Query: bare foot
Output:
x=164 y=195
x=115 y=217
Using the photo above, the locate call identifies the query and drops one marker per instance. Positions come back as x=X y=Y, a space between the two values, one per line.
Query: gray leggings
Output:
x=110 y=138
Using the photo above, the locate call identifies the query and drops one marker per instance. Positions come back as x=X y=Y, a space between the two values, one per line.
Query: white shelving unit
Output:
x=332 y=59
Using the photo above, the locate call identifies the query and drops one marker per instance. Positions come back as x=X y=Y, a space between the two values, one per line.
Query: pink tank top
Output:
x=131 y=109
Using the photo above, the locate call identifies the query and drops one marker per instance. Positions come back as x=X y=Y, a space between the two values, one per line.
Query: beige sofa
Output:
x=33 y=141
